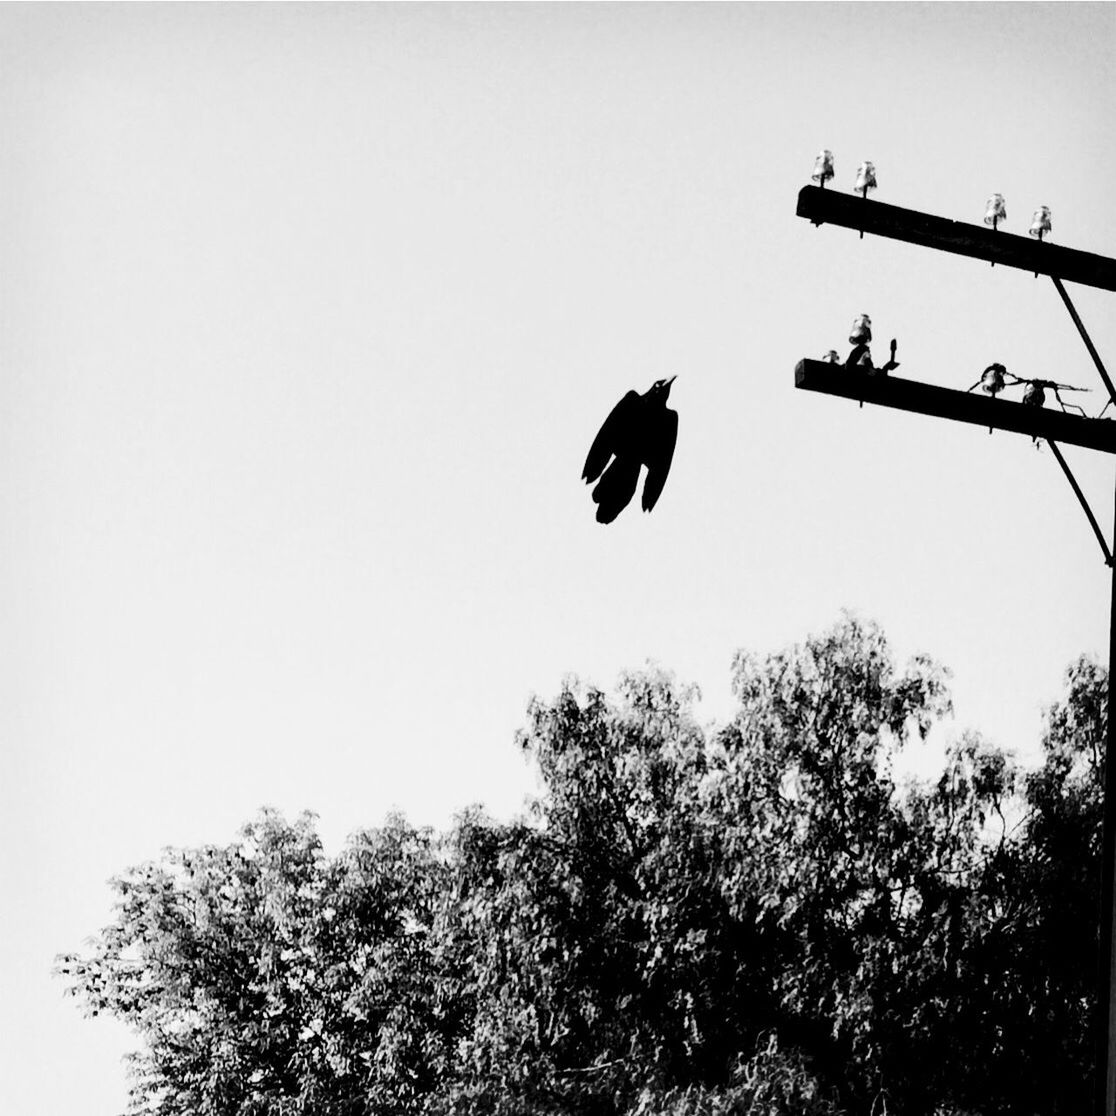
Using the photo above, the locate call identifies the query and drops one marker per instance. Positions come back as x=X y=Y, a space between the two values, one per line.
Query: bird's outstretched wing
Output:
x=614 y=432
x=660 y=453
x=616 y=488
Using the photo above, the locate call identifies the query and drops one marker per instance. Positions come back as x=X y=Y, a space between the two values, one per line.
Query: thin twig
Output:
x=592 y=1069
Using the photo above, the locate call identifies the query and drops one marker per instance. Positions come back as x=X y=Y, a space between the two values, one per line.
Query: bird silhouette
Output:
x=640 y=430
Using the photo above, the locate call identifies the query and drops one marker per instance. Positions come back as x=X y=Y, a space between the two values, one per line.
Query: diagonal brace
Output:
x=1085 y=337
x=1082 y=501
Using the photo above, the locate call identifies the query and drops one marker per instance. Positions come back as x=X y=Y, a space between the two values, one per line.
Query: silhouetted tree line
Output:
x=752 y=919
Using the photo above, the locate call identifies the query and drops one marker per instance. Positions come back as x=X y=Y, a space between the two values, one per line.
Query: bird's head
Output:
x=660 y=389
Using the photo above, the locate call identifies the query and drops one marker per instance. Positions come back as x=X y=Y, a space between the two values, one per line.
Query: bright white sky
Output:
x=308 y=315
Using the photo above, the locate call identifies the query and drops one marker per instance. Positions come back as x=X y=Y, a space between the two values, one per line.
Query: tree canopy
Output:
x=752 y=918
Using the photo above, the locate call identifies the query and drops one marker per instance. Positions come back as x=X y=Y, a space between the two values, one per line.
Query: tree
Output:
x=264 y=978
x=1031 y=950
x=687 y=921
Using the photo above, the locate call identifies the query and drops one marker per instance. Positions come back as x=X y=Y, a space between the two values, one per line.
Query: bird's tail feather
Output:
x=615 y=489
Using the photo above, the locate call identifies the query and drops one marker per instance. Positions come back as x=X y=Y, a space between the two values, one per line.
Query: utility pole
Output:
x=823 y=206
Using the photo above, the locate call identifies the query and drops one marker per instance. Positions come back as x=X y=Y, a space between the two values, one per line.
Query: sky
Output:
x=309 y=313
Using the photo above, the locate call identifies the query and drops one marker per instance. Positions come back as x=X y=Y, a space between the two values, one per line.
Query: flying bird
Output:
x=641 y=430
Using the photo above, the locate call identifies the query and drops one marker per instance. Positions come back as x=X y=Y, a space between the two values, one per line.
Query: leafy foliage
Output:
x=752 y=919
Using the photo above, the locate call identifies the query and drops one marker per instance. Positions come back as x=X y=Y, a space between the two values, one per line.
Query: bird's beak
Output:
x=672 y=379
